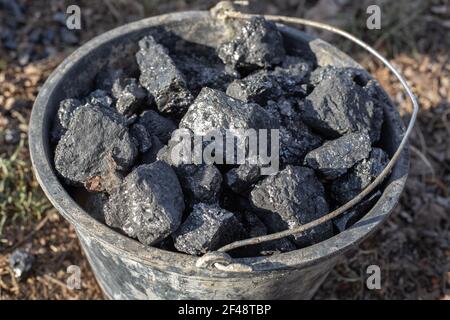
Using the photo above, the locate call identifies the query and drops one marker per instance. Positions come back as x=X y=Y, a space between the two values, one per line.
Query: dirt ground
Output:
x=413 y=246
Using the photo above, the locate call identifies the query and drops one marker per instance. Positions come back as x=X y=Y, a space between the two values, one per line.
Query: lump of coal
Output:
x=258 y=87
x=359 y=177
x=161 y=78
x=157 y=125
x=96 y=144
x=207 y=228
x=257 y=44
x=296 y=138
x=21 y=261
x=292 y=197
x=243 y=177
x=292 y=76
x=204 y=70
x=213 y=109
x=335 y=157
x=148 y=205
x=65 y=111
x=201 y=183
x=337 y=106
x=100 y=98
x=348 y=218
x=129 y=95
x=254 y=227
x=141 y=137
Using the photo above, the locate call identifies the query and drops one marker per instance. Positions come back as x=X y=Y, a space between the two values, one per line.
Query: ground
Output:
x=412 y=248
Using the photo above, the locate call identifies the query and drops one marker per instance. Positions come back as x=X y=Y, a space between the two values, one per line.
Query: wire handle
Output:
x=224 y=10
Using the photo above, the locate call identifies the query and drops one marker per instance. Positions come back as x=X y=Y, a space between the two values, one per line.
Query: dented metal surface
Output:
x=125 y=268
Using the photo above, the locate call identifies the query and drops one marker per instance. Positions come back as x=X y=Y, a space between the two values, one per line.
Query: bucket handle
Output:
x=224 y=262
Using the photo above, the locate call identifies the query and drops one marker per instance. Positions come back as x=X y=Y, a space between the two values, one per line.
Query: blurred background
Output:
x=413 y=246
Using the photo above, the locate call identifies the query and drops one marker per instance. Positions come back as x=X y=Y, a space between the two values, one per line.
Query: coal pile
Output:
x=117 y=143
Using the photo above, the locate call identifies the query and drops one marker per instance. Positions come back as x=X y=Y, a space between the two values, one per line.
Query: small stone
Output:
x=21 y=262
x=348 y=186
x=141 y=137
x=129 y=95
x=348 y=218
x=258 y=87
x=161 y=78
x=240 y=179
x=336 y=157
x=148 y=205
x=337 y=106
x=65 y=111
x=213 y=109
x=12 y=136
x=207 y=228
x=258 y=44
x=100 y=98
x=201 y=183
x=96 y=144
x=157 y=125
x=290 y=198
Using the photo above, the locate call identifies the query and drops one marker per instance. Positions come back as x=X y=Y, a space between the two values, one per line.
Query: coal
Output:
x=21 y=261
x=258 y=87
x=296 y=138
x=157 y=125
x=350 y=217
x=96 y=144
x=207 y=228
x=254 y=227
x=290 y=198
x=348 y=186
x=257 y=44
x=100 y=98
x=141 y=137
x=161 y=77
x=241 y=179
x=292 y=76
x=337 y=105
x=65 y=111
x=129 y=95
x=148 y=205
x=151 y=154
x=214 y=109
x=334 y=158
x=200 y=183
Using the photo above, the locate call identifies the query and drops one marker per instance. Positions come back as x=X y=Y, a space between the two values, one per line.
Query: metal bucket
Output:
x=126 y=269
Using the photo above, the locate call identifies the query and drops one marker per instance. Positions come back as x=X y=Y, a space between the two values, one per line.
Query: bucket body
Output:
x=126 y=269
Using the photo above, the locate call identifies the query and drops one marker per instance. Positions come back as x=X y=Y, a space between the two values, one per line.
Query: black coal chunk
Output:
x=213 y=109
x=359 y=177
x=148 y=205
x=254 y=227
x=100 y=98
x=296 y=138
x=336 y=157
x=201 y=183
x=291 y=198
x=257 y=44
x=292 y=76
x=207 y=228
x=96 y=144
x=65 y=111
x=161 y=77
x=157 y=125
x=258 y=87
x=141 y=137
x=129 y=95
x=337 y=105
x=243 y=177
x=348 y=218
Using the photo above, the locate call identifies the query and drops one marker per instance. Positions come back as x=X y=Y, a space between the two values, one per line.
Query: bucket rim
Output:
x=86 y=225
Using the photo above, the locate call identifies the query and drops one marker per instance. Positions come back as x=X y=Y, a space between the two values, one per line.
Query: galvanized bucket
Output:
x=126 y=269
